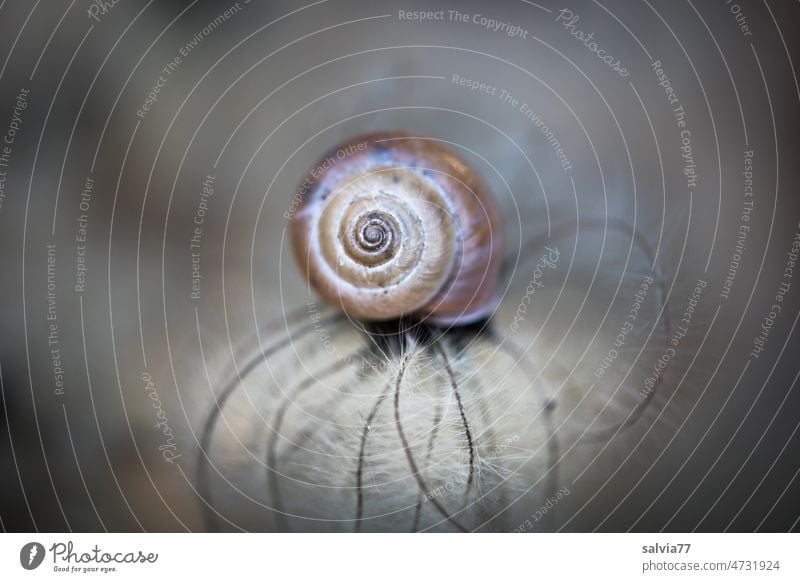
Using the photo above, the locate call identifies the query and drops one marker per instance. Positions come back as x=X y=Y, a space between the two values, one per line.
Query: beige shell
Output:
x=389 y=225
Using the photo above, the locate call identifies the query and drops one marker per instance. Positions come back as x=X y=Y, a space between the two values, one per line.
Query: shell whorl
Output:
x=399 y=227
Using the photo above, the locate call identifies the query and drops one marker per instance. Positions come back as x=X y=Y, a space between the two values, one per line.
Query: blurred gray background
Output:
x=261 y=90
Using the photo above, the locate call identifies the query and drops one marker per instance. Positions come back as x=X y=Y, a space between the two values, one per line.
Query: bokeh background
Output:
x=116 y=116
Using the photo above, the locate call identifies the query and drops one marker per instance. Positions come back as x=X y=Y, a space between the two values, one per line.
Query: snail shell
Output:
x=390 y=225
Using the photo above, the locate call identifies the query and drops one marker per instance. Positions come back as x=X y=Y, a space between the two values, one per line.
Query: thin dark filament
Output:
x=368 y=423
x=271 y=461
x=515 y=353
x=360 y=466
x=553 y=455
x=491 y=436
x=329 y=406
x=437 y=419
x=641 y=241
x=609 y=431
x=234 y=382
x=639 y=409
x=457 y=393
x=412 y=463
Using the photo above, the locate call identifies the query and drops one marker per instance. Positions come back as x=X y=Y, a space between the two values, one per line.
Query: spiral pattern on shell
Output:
x=400 y=226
